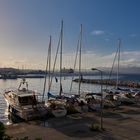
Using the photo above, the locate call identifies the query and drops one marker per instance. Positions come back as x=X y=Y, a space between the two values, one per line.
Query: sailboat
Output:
x=25 y=103
x=54 y=104
x=76 y=101
x=110 y=98
x=118 y=95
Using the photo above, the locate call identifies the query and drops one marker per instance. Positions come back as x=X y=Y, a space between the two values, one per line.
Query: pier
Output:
x=122 y=83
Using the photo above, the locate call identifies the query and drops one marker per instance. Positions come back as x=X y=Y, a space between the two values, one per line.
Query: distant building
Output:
x=64 y=70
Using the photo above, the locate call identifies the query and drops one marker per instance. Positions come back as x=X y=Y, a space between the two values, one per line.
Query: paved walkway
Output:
x=121 y=124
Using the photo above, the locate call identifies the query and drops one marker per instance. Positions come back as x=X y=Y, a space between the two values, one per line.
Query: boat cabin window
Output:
x=27 y=100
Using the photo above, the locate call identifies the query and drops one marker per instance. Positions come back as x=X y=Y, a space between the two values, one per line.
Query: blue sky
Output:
x=25 y=27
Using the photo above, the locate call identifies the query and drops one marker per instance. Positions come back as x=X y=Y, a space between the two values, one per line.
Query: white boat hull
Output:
x=28 y=113
x=59 y=113
x=56 y=107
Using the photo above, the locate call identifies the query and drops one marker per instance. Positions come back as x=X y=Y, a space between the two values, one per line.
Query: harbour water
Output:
x=36 y=84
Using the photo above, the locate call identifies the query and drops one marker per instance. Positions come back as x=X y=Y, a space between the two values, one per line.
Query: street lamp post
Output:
x=101 y=73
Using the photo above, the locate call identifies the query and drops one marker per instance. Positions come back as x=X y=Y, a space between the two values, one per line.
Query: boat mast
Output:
x=48 y=63
x=61 y=42
x=77 y=50
x=112 y=68
x=53 y=69
x=80 y=75
x=118 y=63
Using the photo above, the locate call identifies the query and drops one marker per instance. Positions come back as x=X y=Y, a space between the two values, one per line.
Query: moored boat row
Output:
x=25 y=103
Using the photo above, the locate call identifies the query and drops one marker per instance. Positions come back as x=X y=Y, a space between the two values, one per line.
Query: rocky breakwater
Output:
x=110 y=82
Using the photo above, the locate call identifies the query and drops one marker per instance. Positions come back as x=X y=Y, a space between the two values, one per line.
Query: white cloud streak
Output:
x=98 y=32
x=128 y=58
x=132 y=35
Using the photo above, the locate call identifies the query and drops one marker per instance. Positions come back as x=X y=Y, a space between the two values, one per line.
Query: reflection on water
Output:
x=37 y=85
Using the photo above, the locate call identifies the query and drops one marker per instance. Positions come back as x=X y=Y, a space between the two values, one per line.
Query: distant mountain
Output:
x=9 y=71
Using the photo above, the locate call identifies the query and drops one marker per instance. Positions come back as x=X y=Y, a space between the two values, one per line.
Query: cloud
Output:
x=131 y=54
x=107 y=39
x=89 y=59
x=93 y=59
x=127 y=59
x=102 y=32
x=132 y=35
x=98 y=32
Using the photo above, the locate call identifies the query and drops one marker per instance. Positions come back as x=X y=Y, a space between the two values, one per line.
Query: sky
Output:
x=25 y=27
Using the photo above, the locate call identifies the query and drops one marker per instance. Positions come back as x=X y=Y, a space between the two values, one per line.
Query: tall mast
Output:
x=48 y=63
x=118 y=63
x=110 y=74
x=77 y=51
x=61 y=42
x=80 y=75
